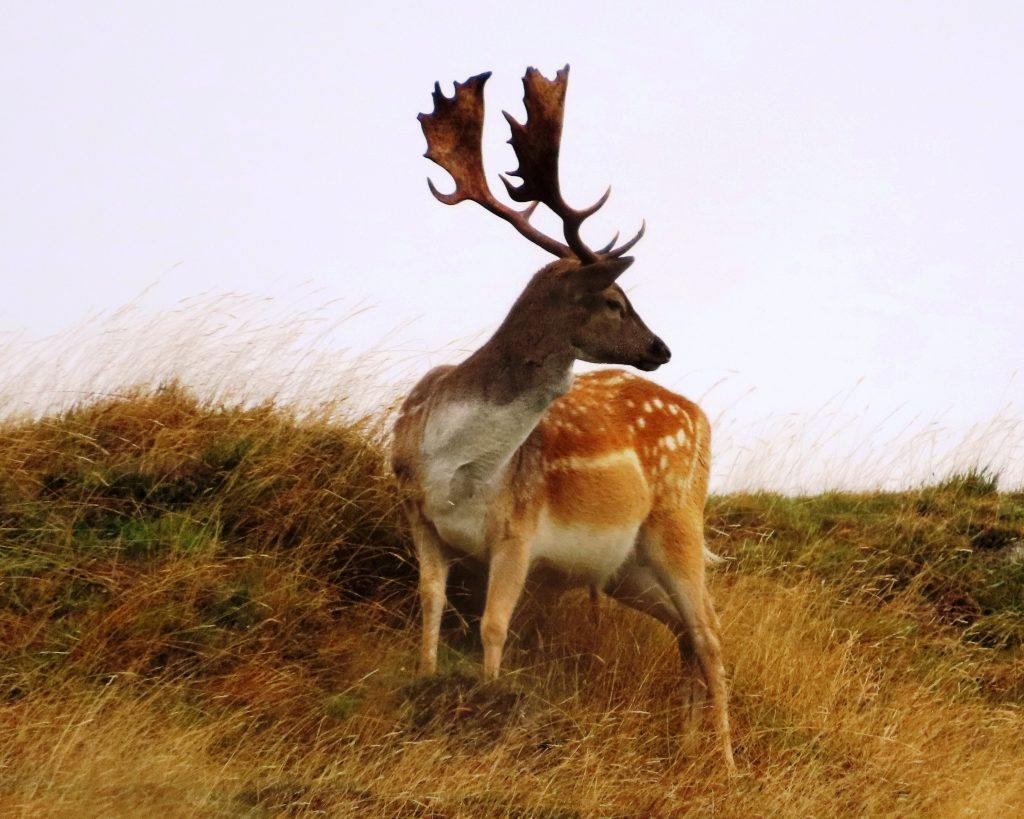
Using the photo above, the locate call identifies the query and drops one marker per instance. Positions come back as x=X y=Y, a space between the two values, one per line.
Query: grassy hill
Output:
x=207 y=610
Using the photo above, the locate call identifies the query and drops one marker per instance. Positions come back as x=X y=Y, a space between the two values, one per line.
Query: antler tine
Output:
x=588 y=212
x=453 y=132
x=617 y=252
x=609 y=246
x=528 y=212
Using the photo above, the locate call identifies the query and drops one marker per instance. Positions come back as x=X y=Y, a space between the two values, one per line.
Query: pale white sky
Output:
x=834 y=192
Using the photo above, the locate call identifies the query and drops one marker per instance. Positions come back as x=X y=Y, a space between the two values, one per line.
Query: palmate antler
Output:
x=454 y=131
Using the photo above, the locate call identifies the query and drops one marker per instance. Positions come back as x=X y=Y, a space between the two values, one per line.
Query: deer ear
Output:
x=597 y=276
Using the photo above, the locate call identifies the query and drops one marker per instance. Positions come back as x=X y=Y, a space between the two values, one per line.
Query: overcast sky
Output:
x=833 y=191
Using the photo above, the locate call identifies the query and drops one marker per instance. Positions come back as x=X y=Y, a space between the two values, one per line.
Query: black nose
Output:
x=659 y=350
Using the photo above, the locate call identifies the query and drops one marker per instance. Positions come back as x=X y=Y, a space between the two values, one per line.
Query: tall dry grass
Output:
x=206 y=609
x=309 y=354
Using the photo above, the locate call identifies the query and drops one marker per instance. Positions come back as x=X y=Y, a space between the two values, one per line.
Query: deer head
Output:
x=574 y=300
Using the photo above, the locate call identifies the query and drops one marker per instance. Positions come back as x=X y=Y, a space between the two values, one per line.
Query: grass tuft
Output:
x=977 y=482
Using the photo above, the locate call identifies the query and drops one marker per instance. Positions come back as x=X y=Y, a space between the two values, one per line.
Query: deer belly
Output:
x=584 y=553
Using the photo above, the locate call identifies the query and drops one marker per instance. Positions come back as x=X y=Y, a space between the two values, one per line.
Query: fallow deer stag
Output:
x=505 y=458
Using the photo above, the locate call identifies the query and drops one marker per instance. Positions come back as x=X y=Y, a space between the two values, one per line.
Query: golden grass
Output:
x=205 y=610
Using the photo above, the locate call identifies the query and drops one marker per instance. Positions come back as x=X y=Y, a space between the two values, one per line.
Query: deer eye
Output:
x=617 y=306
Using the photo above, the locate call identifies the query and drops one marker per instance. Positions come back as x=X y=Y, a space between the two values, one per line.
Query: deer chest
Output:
x=466 y=453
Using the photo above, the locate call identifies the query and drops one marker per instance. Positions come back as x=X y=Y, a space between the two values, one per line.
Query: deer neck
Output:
x=525 y=362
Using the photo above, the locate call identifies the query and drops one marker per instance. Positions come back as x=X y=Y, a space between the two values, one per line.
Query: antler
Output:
x=454 y=131
x=453 y=135
x=537 y=144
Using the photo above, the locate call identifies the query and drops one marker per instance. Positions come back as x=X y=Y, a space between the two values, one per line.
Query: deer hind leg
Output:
x=674 y=548
x=637 y=586
x=505 y=580
x=433 y=564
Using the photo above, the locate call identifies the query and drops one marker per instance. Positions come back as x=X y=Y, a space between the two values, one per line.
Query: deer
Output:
x=507 y=459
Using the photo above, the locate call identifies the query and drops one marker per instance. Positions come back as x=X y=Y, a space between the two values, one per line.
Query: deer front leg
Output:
x=433 y=563
x=507 y=575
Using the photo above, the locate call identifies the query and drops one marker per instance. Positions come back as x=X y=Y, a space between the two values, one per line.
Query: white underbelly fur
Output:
x=585 y=554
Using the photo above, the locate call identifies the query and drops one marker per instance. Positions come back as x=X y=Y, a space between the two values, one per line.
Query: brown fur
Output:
x=589 y=421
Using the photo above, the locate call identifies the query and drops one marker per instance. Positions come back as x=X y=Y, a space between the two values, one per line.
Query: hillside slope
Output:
x=207 y=610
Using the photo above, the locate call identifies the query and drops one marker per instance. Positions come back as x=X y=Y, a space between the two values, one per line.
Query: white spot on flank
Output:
x=670 y=442
x=640 y=423
x=647 y=406
x=657 y=403
x=663 y=463
x=673 y=409
x=681 y=436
